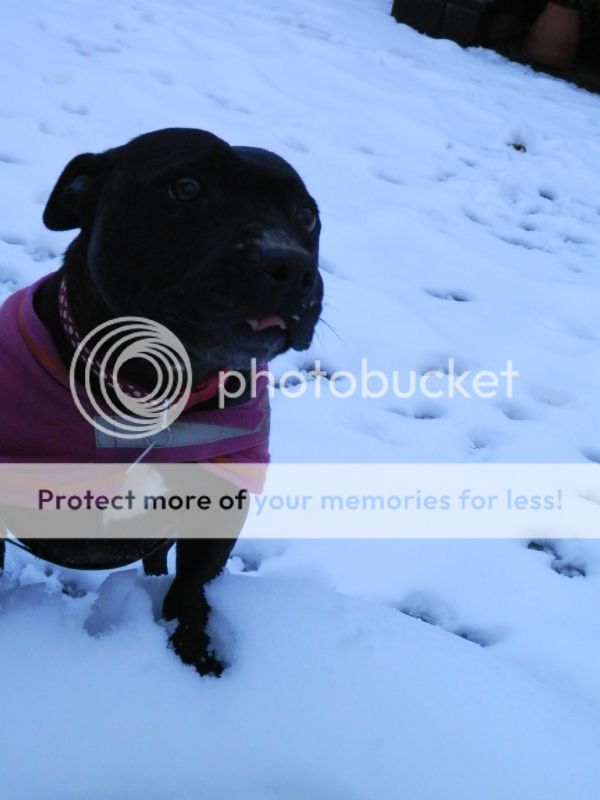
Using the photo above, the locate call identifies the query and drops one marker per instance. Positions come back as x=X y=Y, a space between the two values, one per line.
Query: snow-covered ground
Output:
x=460 y=197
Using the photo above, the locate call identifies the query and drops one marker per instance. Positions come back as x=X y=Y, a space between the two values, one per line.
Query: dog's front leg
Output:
x=198 y=561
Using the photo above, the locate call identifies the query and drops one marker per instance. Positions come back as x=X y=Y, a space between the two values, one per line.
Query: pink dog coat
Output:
x=40 y=422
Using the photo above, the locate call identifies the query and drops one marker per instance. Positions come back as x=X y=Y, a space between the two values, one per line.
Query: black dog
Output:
x=220 y=245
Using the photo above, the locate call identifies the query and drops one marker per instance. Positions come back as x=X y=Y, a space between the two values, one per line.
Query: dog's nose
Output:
x=290 y=270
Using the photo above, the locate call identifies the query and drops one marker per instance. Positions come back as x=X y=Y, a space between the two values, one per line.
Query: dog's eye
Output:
x=307 y=218
x=185 y=189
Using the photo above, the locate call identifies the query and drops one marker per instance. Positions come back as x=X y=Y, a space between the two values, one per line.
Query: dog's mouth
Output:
x=262 y=335
x=293 y=330
x=267 y=323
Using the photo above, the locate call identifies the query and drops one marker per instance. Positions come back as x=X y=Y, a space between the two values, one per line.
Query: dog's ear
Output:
x=73 y=199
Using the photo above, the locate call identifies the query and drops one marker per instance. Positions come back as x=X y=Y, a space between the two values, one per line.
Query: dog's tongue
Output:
x=272 y=321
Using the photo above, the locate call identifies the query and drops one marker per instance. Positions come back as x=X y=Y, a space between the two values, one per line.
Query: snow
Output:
x=414 y=669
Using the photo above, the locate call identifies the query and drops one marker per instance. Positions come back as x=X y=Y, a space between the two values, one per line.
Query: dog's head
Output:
x=218 y=243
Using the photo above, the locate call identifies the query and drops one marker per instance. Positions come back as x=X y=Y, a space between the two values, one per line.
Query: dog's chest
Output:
x=41 y=422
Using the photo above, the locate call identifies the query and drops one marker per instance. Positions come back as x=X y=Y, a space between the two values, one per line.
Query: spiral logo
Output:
x=121 y=408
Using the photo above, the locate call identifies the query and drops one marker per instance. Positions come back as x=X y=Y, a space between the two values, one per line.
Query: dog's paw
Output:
x=194 y=648
x=190 y=640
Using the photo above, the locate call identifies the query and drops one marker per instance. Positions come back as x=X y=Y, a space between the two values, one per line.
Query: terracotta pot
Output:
x=554 y=37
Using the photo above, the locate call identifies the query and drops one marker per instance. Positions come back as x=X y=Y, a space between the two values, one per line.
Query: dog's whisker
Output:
x=331 y=328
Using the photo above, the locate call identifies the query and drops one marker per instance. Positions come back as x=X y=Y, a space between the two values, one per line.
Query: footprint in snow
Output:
x=591 y=454
x=37 y=253
x=295 y=144
x=162 y=76
x=550 y=396
x=432 y=611
x=79 y=109
x=424 y=411
x=11 y=239
x=454 y=295
x=515 y=411
x=547 y=194
x=5 y=158
x=559 y=563
x=444 y=364
x=249 y=555
x=388 y=177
